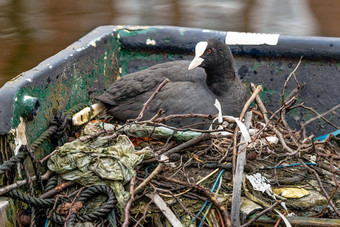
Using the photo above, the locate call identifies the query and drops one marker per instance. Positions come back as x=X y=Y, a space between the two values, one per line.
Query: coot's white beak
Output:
x=199 y=51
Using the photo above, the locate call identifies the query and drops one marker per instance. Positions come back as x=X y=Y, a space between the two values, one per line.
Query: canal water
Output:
x=33 y=30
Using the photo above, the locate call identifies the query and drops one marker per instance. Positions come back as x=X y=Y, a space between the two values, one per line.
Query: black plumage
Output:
x=189 y=91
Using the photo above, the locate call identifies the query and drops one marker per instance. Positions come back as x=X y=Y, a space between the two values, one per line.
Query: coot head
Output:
x=211 y=53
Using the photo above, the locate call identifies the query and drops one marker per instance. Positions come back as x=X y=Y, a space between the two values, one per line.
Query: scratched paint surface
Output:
x=75 y=82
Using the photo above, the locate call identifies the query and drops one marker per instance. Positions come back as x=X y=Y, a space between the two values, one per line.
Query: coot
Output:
x=193 y=87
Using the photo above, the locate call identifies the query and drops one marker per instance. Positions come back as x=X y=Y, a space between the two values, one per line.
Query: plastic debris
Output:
x=291 y=193
x=105 y=161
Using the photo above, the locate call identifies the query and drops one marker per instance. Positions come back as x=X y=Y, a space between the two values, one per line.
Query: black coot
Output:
x=190 y=90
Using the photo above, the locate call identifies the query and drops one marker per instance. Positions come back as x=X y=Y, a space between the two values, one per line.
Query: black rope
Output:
x=36 y=202
x=7 y=165
x=57 y=128
x=57 y=125
x=71 y=221
x=44 y=136
x=35 y=165
x=88 y=194
x=51 y=183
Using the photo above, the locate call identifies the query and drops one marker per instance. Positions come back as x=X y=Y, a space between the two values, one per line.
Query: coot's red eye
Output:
x=209 y=51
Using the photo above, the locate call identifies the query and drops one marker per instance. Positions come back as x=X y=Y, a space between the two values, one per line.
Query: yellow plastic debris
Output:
x=291 y=193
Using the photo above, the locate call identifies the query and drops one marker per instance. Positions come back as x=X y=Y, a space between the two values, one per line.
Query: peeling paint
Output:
x=150 y=42
x=26 y=97
x=80 y=49
x=20 y=136
x=93 y=43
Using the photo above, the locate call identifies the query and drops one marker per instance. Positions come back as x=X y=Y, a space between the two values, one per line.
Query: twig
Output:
x=321 y=186
x=145 y=105
x=285 y=108
x=328 y=201
x=144 y=213
x=191 y=115
x=187 y=144
x=208 y=194
x=17 y=184
x=57 y=189
x=159 y=113
x=250 y=100
x=320 y=116
x=262 y=213
x=288 y=78
x=129 y=203
x=316 y=113
x=277 y=132
x=48 y=156
x=71 y=205
x=158 y=169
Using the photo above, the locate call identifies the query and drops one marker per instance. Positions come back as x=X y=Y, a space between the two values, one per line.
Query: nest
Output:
x=207 y=180
x=254 y=166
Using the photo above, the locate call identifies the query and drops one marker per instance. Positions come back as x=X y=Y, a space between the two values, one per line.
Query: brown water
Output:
x=33 y=30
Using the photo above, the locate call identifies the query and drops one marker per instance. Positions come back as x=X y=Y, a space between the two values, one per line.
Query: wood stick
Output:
x=129 y=203
x=262 y=213
x=158 y=169
x=286 y=82
x=191 y=115
x=208 y=194
x=277 y=132
x=250 y=100
x=17 y=184
x=320 y=115
x=57 y=189
x=187 y=144
x=145 y=105
x=316 y=113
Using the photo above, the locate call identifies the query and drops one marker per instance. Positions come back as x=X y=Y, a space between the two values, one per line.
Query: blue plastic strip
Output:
x=322 y=138
x=206 y=202
x=291 y=165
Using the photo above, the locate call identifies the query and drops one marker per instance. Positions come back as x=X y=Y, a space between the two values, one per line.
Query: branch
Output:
x=129 y=203
x=149 y=178
x=262 y=213
x=286 y=82
x=208 y=194
x=17 y=184
x=145 y=105
x=320 y=116
x=187 y=144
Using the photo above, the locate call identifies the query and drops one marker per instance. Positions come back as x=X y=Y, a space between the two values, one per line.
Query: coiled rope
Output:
x=85 y=195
